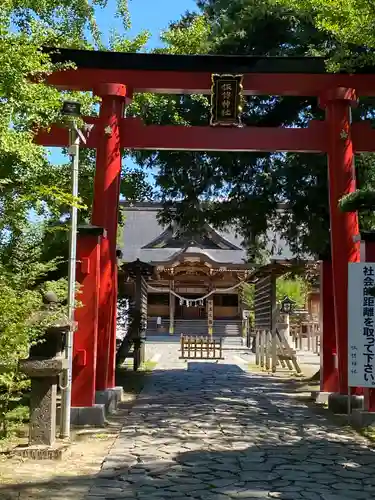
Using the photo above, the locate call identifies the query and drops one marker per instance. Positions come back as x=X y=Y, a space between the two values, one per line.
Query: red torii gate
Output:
x=115 y=77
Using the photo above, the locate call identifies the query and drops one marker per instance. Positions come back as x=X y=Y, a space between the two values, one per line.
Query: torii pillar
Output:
x=328 y=370
x=105 y=214
x=344 y=225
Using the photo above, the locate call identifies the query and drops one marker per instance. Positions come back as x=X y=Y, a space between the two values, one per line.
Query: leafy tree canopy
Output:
x=245 y=189
x=28 y=181
x=351 y=22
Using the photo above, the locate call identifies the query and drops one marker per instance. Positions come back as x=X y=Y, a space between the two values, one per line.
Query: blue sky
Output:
x=151 y=15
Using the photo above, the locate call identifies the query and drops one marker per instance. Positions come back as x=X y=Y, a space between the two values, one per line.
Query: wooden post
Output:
x=308 y=331
x=296 y=330
x=261 y=348
x=300 y=338
x=210 y=316
x=257 y=347
x=172 y=302
x=275 y=314
x=182 y=346
x=267 y=349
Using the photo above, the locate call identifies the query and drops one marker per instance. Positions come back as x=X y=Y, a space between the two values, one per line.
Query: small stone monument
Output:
x=46 y=361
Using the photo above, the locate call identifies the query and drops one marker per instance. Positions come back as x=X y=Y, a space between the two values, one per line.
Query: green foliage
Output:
x=135 y=186
x=296 y=289
x=20 y=324
x=27 y=178
x=361 y=199
x=245 y=189
x=247 y=293
x=16 y=307
x=188 y=38
x=241 y=189
x=351 y=22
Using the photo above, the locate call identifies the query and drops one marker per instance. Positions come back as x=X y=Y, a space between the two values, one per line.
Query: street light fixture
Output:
x=71 y=109
x=287 y=305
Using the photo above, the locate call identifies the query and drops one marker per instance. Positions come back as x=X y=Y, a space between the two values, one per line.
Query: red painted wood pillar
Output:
x=344 y=225
x=328 y=370
x=368 y=239
x=111 y=381
x=86 y=316
x=105 y=214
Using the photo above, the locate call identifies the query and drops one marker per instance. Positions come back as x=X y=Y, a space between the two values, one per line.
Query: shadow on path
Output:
x=215 y=432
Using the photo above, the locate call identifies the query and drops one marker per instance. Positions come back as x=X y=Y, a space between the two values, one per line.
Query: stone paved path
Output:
x=207 y=431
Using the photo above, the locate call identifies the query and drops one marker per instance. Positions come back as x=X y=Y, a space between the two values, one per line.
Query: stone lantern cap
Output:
x=46 y=357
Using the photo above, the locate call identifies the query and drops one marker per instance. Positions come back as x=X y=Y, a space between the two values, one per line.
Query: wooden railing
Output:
x=272 y=349
x=195 y=347
x=306 y=336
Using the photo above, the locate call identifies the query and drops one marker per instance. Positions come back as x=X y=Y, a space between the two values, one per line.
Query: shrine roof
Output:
x=142 y=230
x=214 y=256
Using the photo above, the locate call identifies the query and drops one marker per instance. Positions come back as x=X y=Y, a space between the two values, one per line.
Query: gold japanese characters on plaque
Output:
x=226 y=100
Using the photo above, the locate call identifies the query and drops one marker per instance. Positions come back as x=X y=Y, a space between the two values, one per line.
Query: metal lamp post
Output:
x=71 y=110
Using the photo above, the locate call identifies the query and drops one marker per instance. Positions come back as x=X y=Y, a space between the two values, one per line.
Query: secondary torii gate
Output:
x=116 y=76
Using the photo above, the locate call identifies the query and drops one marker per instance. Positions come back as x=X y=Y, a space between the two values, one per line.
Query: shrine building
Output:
x=192 y=283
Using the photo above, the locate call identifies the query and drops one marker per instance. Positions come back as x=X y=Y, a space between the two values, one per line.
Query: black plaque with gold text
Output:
x=226 y=100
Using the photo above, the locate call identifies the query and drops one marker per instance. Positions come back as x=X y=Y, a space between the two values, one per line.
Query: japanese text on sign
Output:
x=226 y=99
x=361 y=332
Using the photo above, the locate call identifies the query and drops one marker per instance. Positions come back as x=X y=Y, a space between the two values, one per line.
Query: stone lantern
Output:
x=45 y=363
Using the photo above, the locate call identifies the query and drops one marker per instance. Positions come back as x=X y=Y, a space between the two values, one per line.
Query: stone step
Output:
x=223 y=328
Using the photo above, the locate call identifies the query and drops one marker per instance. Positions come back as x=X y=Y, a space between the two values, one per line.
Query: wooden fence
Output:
x=306 y=336
x=272 y=351
x=194 y=347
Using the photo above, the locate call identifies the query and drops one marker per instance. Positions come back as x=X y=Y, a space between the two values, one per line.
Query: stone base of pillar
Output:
x=110 y=398
x=338 y=403
x=360 y=418
x=94 y=416
x=320 y=397
x=57 y=451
